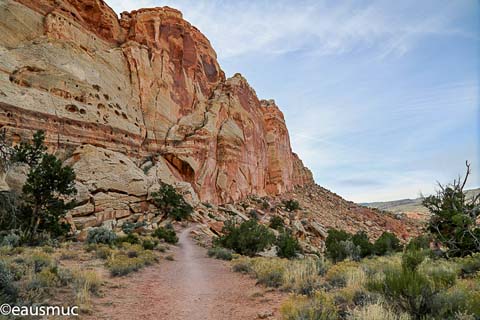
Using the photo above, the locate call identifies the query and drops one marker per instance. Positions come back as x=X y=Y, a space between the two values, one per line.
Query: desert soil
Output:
x=192 y=287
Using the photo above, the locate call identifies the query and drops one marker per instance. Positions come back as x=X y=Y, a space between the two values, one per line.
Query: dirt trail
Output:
x=192 y=287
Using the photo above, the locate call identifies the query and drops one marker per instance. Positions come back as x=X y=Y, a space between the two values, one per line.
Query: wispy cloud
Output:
x=317 y=27
x=381 y=97
x=405 y=149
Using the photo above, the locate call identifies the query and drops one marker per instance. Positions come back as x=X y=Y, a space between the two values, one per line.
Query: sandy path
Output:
x=192 y=287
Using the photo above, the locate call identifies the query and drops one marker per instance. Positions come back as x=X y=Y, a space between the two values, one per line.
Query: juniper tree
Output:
x=454 y=217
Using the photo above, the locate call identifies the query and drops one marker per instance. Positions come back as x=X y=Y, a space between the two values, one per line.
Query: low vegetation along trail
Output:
x=191 y=287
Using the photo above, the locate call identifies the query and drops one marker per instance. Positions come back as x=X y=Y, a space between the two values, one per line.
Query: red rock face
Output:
x=147 y=85
x=94 y=15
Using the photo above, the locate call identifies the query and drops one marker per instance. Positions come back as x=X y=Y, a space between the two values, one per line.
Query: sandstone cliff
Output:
x=134 y=101
x=140 y=100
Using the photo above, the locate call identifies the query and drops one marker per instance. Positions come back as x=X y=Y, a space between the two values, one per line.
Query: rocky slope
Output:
x=134 y=101
x=320 y=210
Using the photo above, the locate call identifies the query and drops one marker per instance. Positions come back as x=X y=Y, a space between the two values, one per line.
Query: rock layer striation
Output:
x=135 y=100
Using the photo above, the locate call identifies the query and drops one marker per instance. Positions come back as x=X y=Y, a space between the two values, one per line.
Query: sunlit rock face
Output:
x=146 y=90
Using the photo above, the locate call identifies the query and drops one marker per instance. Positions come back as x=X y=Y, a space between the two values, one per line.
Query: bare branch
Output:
x=466 y=175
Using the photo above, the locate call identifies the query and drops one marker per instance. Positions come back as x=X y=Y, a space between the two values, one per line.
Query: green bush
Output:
x=220 y=253
x=387 y=243
x=470 y=265
x=103 y=251
x=407 y=290
x=277 y=223
x=335 y=245
x=288 y=246
x=101 y=235
x=460 y=299
x=291 y=205
x=411 y=259
x=149 y=244
x=10 y=240
x=170 y=202
x=248 y=239
x=129 y=238
x=419 y=243
x=167 y=234
x=253 y=214
x=360 y=239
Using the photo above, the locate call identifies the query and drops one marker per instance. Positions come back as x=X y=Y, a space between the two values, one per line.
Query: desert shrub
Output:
x=291 y=205
x=8 y=290
x=442 y=279
x=333 y=244
x=453 y=218
x=265 y=205
x=129 y=238
x=66 y=254
x=411 y=259
x=101 y=235
x=302 y=276
x=253 y=214
x=167 y=234
x=269 y=271
x=376 y=311
x=85 y=283
x=407 y=290
x=65 y=276
x=387 y=243
x=470 y=265
x=352 y=251
x=220 y=253
x=248 y=238
x=170 y=202
x=129 y=227
x=121 y=264
x=419 y=243
x=243 y=265
x=319 y=307
x=458 y=300
x=346 y=273
x=149 y=244
x=441 y=273
x=10 y=240
x=288 y=246
x=277 y=223
x=103 y=251
x=47 y=277
x=48 y=249
x=360 y=240
x=40 y=261
x=376 y=265
x=361 y=297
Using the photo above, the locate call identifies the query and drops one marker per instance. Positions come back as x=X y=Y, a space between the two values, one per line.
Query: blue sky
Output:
x=381 y=98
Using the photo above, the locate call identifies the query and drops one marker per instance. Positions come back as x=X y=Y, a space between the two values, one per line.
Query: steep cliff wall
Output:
x=146 y=98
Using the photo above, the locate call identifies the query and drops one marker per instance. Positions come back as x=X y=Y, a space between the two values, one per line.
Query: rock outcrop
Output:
x=134 y=101
x=140 y=100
